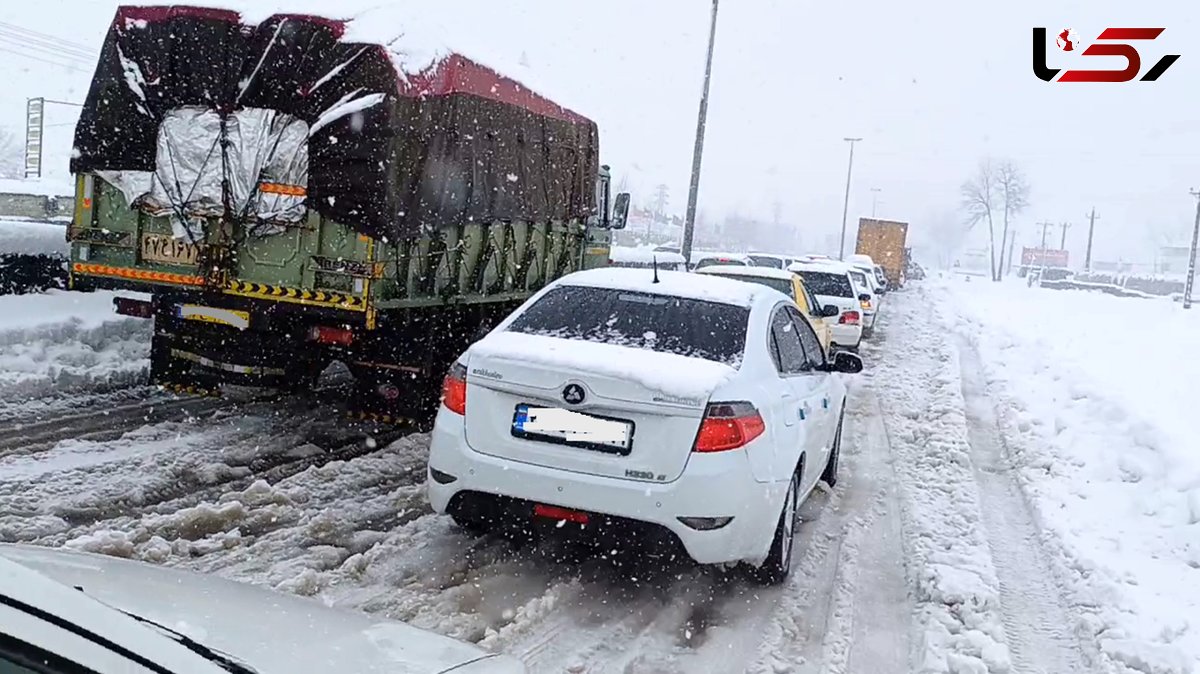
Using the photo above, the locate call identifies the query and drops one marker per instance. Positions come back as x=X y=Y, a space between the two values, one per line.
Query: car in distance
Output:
x=832 y=285
x=696 y=410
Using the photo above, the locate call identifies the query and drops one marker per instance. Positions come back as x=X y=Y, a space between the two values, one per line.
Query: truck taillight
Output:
x=454 y=389
x=728 y=426
x=849 y=318
x=323 y=334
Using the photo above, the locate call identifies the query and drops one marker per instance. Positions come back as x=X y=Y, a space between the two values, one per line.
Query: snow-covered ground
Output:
x=1001 y=509
x=62 y=342
x=30 y=237
x=1094 y=395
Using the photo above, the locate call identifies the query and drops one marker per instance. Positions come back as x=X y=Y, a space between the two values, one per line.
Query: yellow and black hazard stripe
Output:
x=322 y=298
x=137 y=274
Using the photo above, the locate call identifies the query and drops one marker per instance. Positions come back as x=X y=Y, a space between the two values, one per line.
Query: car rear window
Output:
x=781 y=284
x=766 y=261
x=715 y=261
x=861 y=278
x=687 y=327
x=826 y=283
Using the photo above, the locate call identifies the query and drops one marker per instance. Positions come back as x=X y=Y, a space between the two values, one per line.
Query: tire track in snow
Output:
x=1034 y=613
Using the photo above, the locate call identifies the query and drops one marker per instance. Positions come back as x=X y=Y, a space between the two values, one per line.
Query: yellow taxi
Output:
x=787 y=283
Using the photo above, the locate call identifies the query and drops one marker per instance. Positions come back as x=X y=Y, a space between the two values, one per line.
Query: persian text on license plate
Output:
x=169 y=250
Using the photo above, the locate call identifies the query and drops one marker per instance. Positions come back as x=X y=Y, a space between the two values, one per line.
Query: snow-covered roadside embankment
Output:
x=1095 y=420
x=65 y=341
x=957 y=596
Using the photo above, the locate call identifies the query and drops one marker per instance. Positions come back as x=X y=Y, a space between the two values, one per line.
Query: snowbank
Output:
x=50 y=186
x=1095 y=395
x=24 y=237
x=57 y=341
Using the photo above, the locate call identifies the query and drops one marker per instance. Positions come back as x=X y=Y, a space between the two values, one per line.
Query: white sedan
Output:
x=694 y=410
x=64 y=611
x=831 y=283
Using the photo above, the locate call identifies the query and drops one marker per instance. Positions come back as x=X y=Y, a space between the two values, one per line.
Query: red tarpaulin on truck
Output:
x=389 y=152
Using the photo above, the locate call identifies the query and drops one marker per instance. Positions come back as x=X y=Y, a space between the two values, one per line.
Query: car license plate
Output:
x=230 y=317
x=169 y=250
x=566 y=427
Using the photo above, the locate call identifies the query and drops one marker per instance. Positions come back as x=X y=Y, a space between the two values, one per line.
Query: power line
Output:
x=39 y=43
x=33 y=57
x=42 y=50
x=67 y=44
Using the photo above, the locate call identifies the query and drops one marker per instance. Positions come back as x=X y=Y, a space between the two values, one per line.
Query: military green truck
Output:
x=288 y=198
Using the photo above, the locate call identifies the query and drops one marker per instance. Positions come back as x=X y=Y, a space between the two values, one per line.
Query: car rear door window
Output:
x=688 y=327
x=789 y=352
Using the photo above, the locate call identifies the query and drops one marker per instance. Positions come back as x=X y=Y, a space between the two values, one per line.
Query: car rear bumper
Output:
x=712 y=485
x=847 y=336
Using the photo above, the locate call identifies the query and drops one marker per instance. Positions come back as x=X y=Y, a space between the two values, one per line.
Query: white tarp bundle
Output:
x=264 y=157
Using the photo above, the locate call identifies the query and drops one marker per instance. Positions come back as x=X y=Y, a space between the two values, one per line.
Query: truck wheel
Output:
x=165 y=369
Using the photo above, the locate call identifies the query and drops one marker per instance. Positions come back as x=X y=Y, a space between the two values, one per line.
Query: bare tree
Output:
x=979 y=196
x=1014 y=193
x=12 y=158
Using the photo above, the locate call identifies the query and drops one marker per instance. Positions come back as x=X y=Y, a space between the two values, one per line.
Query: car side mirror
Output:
x=620 y=214
x=846 y=362
x=864 y=297
x=829 y=311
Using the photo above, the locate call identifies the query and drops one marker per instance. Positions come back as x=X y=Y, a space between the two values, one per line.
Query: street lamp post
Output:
x=689 y=225
x=846 y=204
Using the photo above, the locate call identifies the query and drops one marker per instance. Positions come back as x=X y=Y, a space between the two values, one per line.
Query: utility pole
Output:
x=1045 y=228
x=689 y=227
x=1087 y=258
x=874 y=199
x=1065 y=226
x=1191 y=275
x=660 y=205
x=846 y=204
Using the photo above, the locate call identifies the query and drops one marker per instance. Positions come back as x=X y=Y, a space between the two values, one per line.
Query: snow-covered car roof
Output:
x=698 y=255
x=677 y=283
x=825 y=266
x=859 y=258
x=758 y=272
x=643 y=255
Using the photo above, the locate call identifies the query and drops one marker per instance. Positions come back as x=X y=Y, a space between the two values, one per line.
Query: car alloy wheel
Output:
x=778 y=564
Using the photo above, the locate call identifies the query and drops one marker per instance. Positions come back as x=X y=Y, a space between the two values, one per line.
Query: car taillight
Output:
x=849 y=318
x=454 y=389
x=866 y=304
x=327 y=335
x=728 y=426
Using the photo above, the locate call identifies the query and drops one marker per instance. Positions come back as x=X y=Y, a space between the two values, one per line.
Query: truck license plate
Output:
x=169 y=250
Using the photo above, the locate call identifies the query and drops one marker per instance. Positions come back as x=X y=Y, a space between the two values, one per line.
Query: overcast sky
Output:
x=932 y=87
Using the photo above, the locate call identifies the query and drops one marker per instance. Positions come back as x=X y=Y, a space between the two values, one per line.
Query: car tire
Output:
x=778 y=564
x=471 y=525
x=830 y=475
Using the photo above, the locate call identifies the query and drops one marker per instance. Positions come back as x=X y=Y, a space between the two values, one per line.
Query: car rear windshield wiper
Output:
x=223 y=660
